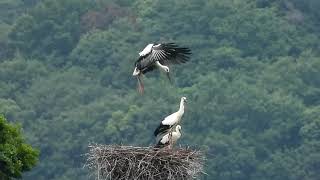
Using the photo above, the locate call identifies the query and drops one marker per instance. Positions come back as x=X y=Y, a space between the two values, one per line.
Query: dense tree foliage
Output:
x=15 y=155
x=253 y=82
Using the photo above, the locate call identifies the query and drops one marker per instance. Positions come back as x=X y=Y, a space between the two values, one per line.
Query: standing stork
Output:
x=159 y=56
x=169 y=139
x=172 y=120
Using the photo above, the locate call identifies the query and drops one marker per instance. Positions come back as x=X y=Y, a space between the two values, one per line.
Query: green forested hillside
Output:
x=253 y=82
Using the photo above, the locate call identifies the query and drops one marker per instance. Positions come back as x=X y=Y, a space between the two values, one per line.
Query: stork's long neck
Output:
x=161 y=66
x=181 y=109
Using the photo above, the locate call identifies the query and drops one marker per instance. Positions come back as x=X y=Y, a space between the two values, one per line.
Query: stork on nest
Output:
x=135 y=163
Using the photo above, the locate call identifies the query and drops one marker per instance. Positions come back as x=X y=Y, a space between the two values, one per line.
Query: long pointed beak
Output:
x=169 y=77
x=136 y=72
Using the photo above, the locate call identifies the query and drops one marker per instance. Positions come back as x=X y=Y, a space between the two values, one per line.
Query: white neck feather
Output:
x=181 y=109
x=161 y=66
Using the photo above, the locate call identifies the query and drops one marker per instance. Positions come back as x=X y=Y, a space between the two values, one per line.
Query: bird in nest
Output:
x=169 y=122
x=169 y=139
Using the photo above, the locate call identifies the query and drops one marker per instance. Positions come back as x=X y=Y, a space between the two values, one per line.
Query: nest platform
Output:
x=136 y=163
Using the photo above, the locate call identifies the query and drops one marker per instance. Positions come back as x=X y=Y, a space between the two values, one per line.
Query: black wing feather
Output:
x=161 y=129
x=168 y=53
x=174 y=54
x=143 y=65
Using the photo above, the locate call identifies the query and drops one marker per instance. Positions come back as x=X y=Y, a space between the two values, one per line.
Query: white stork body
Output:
x=159 y=56
x=170 y=138
x=172 y=120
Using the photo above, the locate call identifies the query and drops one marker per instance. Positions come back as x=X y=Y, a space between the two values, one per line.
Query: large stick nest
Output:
x=128 y=162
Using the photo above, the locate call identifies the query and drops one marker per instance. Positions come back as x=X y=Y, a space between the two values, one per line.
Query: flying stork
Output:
x=159 y=56
x=169 y=139
x=172 y=120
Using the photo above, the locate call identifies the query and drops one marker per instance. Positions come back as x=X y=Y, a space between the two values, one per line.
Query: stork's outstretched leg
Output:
x=140 y=84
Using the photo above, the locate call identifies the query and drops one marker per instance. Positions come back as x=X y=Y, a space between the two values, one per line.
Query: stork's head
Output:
x=178 y=128
x=166 y=68
x=184 y=99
